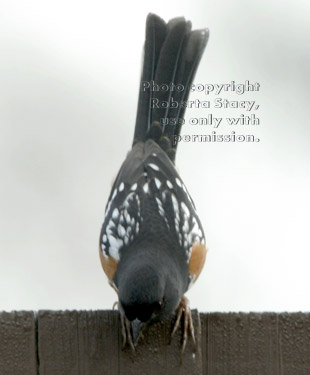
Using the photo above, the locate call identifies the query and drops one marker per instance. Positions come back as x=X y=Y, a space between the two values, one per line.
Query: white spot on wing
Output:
x=126 y=204
x=169 y=184
x=110 y=202
x=178 y=181
x=185 y=210
x=160 y=207
x=138 y=202
x=103 y=250
x=185 y=227
x=115 y=245
x=120 y=226
x=114 y=194
x=115 y=214
x=121 y=187
x=146 y=187
x=127 y=217
x=121 y=230
x=195 y=226
x=134 y=186
x=154 y=166
x=177 y=215
x=188 y=196
x=175 y=203
x=157 y=182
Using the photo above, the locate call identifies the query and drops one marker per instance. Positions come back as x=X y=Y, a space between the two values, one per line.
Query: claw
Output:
x=126 y=329
x=184 y=309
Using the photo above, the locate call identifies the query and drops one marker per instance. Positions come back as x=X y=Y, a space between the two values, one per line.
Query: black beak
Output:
x=137 y=328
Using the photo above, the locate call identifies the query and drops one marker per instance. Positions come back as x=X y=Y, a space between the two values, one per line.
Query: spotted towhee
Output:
x=152 y=244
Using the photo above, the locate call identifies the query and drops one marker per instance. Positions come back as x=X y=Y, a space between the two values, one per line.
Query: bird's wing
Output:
x=148 y=175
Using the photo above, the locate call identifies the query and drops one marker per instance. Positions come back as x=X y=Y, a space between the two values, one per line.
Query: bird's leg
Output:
x=126 y=328
x=184 y=309
x=126 y=332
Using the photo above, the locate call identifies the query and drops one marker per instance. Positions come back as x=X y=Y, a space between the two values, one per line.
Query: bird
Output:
x=152 y=243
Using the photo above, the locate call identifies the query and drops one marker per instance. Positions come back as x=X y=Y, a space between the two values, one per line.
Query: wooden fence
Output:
x=89 y=343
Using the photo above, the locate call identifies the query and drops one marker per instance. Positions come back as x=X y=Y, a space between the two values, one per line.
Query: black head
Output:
x=141 y=293
x=147 y=294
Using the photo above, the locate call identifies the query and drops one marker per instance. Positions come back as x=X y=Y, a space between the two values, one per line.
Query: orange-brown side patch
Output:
x=197 y=261
x=109 y=265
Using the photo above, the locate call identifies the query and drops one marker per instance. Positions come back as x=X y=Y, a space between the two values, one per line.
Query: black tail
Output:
x=172 y=53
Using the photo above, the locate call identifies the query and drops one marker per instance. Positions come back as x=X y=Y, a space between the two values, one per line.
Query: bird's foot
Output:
x=126 y=328
x=184 y=309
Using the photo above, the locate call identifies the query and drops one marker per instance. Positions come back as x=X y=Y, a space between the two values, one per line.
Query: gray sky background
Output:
x=69 y=73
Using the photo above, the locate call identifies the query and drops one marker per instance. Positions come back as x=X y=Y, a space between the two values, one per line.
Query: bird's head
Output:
x=146 y=296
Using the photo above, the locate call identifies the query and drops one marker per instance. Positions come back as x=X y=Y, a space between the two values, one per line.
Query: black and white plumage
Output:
x=152 y=244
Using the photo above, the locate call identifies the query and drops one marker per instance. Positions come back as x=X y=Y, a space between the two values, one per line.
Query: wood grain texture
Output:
x=78 y=342
x=157 y=354
x=18 y=343
x=256 y=344
x=294 y=343
x=89 y=343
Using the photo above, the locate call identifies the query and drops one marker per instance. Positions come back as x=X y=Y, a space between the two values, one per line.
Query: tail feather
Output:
x=195 y=45
x=172 y=53
x=156 y=30
x=169 y=61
